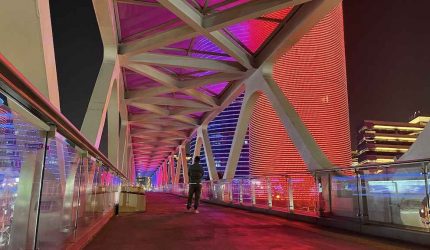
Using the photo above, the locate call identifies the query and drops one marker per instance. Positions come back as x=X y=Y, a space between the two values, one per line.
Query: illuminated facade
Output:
x=384 y=141
x=221 y=133
x=312 y=76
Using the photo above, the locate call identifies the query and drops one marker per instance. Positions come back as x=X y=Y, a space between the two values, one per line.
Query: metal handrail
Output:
x=16 y=85
x=374 y=165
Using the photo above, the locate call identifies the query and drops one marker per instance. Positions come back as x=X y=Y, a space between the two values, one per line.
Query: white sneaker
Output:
x=196 y=211
x=189 y=210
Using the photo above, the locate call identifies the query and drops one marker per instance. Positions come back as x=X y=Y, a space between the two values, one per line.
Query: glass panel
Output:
x=260 y=186
x=224 y=191
x=101 y=199
x=235 y=189
x=59 y=194
x=247 y=192
x=344 y=194
x=305 y=194
x=279 y=191
x=394 y=194
x=22 y=147
x=206 y=189
x=87 y=194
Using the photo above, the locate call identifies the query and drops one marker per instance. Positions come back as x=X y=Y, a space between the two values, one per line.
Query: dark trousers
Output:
x=194 y=189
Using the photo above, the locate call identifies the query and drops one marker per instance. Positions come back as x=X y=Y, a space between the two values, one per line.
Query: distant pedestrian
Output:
x=195 y=174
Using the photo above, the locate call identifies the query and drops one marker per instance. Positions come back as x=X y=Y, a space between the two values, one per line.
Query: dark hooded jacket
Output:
x=195 y=173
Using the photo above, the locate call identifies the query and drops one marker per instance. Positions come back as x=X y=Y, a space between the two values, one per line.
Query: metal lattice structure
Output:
x=174 y=65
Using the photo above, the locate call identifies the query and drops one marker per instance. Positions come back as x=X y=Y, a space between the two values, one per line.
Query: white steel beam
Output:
x=197 y=148
x=186 y=62
x=95 y=116
x=209 y=79
x=140 y=3
x=166 y=101
x=308 y=149
x=202 y=133
x=172 y=169
x=26 y=41
x=151 y=108
x=153 y=74
x=113 y=125
x=169 y=81
x=194 y=19
x=183 y=159
x=187 y=111
x=178 y=168
x=149 y=92
x=157 y=41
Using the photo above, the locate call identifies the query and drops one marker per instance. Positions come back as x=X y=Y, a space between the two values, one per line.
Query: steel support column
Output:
x=203 y=139
x=306 y=145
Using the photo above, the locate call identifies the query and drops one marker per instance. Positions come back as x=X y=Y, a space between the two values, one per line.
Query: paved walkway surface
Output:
x=166 y=225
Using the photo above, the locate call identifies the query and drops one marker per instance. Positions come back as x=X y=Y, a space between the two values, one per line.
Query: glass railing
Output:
x=296 y=194
x=54 y=185
x=393 y=195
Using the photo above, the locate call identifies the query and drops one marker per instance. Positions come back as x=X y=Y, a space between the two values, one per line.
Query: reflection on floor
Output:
x=166 y=225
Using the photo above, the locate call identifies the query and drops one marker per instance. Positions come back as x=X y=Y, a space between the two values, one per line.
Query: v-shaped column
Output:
x=183 y=159
x=165 y=175
x=92 y=126
x=171 y=169
x=182 y=165
x=178 y=169
x=203 y=139
x=307 y=147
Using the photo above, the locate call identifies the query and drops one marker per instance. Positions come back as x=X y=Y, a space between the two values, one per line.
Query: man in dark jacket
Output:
x=195 y=174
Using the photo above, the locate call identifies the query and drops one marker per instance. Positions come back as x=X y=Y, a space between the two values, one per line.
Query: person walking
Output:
x=195 y=174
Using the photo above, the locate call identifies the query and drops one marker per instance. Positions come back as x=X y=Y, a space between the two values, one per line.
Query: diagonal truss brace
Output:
x=202 y=139
x=307 y=147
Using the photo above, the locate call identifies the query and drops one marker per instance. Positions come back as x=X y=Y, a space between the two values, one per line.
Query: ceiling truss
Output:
x=175 y=97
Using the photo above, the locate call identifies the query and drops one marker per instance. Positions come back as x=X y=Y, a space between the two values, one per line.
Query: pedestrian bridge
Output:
x=169 y=68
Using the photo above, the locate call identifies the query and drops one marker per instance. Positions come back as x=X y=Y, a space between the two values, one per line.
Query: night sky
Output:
x=387 y=51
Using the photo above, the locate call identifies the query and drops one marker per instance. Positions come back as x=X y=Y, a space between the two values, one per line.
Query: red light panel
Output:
x=312 y=76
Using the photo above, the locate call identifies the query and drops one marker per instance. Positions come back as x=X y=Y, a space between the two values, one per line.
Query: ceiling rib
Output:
x=195 y=84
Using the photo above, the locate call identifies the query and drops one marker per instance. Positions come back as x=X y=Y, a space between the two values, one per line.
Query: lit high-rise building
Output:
x=312 y=76
x=221 y=133
x=385 y=141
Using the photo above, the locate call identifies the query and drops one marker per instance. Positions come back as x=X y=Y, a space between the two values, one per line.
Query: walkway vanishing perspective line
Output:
x=166 y=225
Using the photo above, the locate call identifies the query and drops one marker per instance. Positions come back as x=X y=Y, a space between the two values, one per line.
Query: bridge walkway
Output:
x=166 y=225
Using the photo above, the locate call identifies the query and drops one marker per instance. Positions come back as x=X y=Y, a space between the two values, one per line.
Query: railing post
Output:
x=359 y=191
x=252 y=193
x=241 y=192
x=269 y=192
x=362 y=203
x=222 y=190
x=329 y=192
x=290 y=195
x=322 y=207
x=425 y=173
x=81 y=163
x=215 y=194
x=230 y=190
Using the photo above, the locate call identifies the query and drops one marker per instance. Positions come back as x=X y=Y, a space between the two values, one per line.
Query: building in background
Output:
x=385 y=141
x=312 y=75
x=317 y=63
x=354 y=155
x=221 y=132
